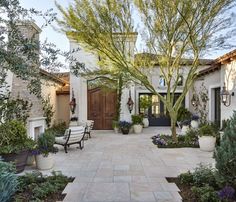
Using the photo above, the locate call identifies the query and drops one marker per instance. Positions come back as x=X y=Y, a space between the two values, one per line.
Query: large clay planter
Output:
x=18 y=159
x=194 y=124
x=138 y=128
x=145 y=122
x=207 y=143
x=44 y=163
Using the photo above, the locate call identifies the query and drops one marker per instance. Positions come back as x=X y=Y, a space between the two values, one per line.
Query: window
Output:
x=180 y=81
x=155 y=106
x=162 y=81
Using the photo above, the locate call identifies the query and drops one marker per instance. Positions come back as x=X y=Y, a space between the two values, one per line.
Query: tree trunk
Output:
x=173 y=130
x=120 y=86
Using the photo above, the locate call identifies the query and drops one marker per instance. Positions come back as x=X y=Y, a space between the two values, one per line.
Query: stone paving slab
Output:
x=125 y=168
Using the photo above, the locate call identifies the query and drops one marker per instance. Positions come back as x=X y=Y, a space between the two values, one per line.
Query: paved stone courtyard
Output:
x=125 y=168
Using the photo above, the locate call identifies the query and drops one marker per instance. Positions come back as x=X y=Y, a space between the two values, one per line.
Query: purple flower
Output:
x=226 y=193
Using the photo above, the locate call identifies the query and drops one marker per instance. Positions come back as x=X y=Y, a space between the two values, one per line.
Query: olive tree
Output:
x=172 y=30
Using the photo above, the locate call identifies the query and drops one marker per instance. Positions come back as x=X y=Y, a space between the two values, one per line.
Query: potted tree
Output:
x=15 y=144
x=45 y=149
x=124 y=127
x=74 y=121
x=137 y=121
x=207 y=138
x=144 y=103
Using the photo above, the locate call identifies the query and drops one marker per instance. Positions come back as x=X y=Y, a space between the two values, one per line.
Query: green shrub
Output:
x=137 y=119
x=13 y=137
x=191 y=137
x=186 y=178
x=8 y=181
x=115 y=124
x=183 y=114
x=205 y=194
x=207 y=130
x=58 y=129
x=225 y=155
x=203 y=175
x=39 y=186
x=45 y=144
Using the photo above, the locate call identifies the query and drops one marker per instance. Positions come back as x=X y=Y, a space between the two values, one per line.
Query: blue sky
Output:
x=60 y=39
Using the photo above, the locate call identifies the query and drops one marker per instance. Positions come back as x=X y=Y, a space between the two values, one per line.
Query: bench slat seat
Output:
x=72 y=135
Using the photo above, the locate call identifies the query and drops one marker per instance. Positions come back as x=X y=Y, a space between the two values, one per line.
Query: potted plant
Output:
x=137 y=121
x=15 y=144
x=207 y=138
x=194 y=121
x=124 y=127
x=45 y=149
x=115 y=126
x=144 y=103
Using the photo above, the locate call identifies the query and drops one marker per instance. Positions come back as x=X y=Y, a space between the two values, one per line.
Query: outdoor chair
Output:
x=88 y=124
x=72 y=135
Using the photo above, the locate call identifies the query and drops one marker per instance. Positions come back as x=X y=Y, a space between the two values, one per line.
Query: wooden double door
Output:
x=101 y=108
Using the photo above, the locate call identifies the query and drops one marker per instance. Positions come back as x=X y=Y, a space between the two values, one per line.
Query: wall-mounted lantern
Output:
x=226 y=96
x=130 y=103
x=72 y=103
x=195 y=100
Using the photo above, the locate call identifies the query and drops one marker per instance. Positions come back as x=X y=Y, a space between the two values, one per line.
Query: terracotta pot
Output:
x=18 y=159
x=30 y=160
x=138 y=128
x=44 y=162
x=207 y=143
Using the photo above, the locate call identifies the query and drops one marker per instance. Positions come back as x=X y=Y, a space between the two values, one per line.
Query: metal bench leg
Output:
x=65 y=148
x=81 y=144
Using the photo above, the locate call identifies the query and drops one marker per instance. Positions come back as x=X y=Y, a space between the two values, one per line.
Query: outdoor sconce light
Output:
x=195 y=100
x=73 y=103
x=130 y=103
x=226 y=96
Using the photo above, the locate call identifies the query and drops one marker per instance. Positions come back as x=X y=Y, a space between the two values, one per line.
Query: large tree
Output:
x=173 y=30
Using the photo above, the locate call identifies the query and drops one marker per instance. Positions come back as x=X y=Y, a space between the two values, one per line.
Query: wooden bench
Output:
x=72 y=135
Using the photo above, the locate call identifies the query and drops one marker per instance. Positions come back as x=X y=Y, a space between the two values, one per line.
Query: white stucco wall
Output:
x=228 y=75
x=79 y=84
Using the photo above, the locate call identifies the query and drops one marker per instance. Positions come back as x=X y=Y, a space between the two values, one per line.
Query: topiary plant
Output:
x=137 y=119
x=207 y=130
x=225 y=154
x=8 y=181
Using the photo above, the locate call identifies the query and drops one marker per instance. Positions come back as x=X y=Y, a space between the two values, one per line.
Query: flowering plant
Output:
x=195 y=117
x=125 y=125
x=226 y=193
x=157 y=140
x=45 y=144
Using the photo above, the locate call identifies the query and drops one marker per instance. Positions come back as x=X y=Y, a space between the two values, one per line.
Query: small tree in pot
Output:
x=207 y=137
x=137 y=121
x=45 y=148
x=124 y=127
x=145 y=102
x=15 y=144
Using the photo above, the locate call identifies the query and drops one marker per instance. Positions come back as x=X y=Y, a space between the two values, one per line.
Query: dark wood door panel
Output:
x=101 y=108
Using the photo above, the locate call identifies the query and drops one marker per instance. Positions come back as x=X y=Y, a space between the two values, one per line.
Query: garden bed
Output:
x=185 y=190
x=36 y=187
x=165 y=141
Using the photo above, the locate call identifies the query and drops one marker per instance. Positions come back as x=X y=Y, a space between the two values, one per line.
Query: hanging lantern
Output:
x=72 y=103
x=195 y=100
x=130 y=103
x=226 y=96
